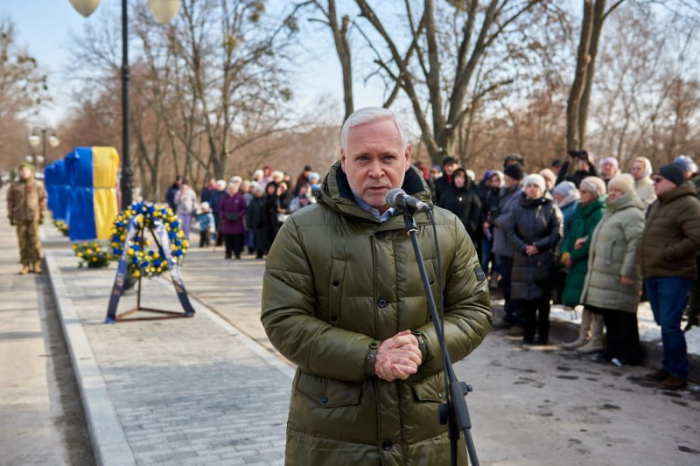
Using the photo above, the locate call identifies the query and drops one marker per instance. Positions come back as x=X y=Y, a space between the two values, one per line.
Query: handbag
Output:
x=545 y=268
x=233 y=216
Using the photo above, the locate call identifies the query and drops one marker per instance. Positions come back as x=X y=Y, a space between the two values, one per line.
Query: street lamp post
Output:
x=35 y=140
x=163 y=11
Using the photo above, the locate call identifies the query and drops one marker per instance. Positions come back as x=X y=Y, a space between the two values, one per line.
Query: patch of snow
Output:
x=648 y=330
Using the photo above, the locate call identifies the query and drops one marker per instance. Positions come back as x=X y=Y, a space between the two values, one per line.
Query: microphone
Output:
x=398 y=199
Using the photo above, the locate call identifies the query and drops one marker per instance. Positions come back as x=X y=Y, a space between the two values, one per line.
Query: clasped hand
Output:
x=398 y=357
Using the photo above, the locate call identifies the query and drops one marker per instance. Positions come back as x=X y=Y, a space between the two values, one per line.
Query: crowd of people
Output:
x=601 y=239
x=594 y=237
x=242 y=215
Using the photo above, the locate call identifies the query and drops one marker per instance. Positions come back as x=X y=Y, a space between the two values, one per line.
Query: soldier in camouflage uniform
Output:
x=26 y=205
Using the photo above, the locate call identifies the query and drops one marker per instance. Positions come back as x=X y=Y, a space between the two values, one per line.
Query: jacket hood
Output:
x=685 y=189
x=627 y=200
x=335 y=191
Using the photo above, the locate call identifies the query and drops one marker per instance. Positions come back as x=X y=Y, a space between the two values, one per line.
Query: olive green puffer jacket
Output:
x=337 y=283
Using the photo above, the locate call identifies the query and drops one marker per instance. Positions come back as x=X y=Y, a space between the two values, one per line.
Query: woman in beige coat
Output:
x=641 y=171
x=613 y=281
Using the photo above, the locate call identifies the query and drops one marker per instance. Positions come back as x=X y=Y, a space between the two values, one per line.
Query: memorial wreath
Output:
x=143 y=261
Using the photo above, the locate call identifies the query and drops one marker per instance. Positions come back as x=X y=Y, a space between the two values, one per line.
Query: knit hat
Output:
x=568 y=191
x=549 y=175
x=515 y=171
x=536 y=180
x=687 y=162
x=594 y=186
x=624 y=183
x=611 y=160
x=673 y=172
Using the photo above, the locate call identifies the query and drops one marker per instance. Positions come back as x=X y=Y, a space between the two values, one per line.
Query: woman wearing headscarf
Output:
x=567 y=198
x=643 y=184
x=574 y=252
x=613 y=281
x=232 y=212
x=534 y=233
x=461 y=199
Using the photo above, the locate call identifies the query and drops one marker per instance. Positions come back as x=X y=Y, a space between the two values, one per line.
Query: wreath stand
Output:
x=117 y=289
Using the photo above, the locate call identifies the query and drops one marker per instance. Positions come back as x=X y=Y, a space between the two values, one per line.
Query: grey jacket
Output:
x=613 y=253
x=509 y=199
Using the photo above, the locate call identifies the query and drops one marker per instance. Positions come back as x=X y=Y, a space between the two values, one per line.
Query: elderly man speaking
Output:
x=343 y=300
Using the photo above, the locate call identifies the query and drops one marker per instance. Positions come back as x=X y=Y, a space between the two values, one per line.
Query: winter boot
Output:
x=37 y=267
x=25 y=269
x=596 y=341
x=583 y=331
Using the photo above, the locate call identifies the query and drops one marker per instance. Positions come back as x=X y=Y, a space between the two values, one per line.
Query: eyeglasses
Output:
x=658 y=179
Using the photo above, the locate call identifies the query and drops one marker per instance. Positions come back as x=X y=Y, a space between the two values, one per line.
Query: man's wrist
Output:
x=422 y=345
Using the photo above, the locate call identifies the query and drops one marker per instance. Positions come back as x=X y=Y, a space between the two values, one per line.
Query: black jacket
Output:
x=464 y=203
x=539 y=222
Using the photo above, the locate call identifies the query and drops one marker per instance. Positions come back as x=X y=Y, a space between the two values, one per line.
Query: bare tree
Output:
x=482 y=26
x=594 y=15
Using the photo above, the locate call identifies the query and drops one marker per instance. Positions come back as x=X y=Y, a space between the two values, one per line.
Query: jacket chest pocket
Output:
x=335 y=291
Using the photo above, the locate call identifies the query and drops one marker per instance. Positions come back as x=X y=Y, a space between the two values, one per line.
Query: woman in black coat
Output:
x=534 y=233
x=256 y=221
x=461 y=199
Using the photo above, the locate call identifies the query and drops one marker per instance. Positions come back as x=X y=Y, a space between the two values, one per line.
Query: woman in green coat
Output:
x=613 y=281
x=575 y=255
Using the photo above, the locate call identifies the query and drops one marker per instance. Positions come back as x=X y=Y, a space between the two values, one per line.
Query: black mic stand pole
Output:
x=454 y=412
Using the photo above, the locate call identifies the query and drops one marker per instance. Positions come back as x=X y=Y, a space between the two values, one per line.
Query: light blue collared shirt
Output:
x=366 y=207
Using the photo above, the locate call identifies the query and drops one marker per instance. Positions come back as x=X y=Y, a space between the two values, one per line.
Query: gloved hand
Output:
x=41 y=220
x=12 y=222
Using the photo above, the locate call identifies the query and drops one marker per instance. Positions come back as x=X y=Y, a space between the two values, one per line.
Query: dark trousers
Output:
x=622 y=340
x=234 y=243
x=204 y=238
x=533 y=321
x=512 y=308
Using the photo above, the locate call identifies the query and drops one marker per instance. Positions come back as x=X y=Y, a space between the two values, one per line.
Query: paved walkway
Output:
x=40 y=414
x=178 y=391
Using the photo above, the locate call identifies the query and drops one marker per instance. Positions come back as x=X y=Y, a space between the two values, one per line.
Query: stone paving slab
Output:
x=177 y=391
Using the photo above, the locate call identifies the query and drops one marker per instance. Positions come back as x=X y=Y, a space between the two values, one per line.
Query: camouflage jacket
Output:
x=26 y=201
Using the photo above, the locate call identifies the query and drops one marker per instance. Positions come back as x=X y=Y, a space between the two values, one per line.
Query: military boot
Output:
x=37 y=267
x=25 y=269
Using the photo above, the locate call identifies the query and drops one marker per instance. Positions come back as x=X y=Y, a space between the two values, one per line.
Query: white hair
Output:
x=368 y=115
x=221 y=184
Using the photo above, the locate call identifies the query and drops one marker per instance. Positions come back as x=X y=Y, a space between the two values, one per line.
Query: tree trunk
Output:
x=598 y=17
x=573 y=138
x=342 y=47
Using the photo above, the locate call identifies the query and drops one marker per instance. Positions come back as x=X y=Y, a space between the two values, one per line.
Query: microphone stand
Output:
x=454 y=411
